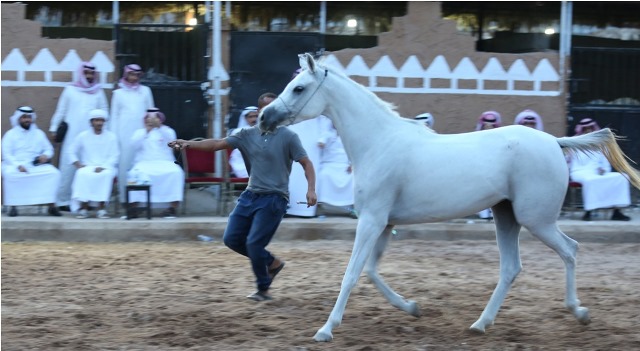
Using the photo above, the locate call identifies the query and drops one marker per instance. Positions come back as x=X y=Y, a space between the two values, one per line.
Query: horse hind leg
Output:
x=367 y=232
x=507 y=232
x=567 y=249
x=411 y=307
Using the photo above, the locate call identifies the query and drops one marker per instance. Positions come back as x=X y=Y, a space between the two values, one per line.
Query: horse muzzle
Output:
x=268 y=120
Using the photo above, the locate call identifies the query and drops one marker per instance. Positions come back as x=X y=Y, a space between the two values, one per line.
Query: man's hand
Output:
x=42 y=159
x=99 y=169
x=178 y=144
x=312 y=198
x=78 y=164
x=52 y=136
x=22 y=169
x=152 y=122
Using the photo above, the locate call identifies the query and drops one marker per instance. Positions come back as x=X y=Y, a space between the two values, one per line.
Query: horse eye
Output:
x=298 y=89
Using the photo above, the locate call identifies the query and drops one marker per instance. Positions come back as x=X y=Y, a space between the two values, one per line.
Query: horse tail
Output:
x=605 y=141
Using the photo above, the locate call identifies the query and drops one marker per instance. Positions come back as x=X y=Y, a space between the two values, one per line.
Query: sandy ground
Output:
x=191 y=296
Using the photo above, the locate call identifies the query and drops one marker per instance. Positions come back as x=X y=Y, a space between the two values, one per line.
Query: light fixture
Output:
x=352 y=23
x=193 y=21
x=549 y=31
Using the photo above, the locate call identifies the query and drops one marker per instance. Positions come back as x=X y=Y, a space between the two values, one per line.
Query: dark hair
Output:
x=261 y=102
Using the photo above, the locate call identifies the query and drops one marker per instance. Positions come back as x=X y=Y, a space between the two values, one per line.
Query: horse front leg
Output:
x=367 y=233
x=411 y=307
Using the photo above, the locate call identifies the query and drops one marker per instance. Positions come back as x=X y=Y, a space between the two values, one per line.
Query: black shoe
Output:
x=63 y=208
x=53 y=211
x=587 y=216
x=618 y=216
x=13 y=212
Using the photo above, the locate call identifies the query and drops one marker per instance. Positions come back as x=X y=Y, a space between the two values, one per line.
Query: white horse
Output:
x=405 y=173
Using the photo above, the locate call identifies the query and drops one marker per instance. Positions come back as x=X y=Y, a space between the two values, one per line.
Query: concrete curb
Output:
x=70 y=229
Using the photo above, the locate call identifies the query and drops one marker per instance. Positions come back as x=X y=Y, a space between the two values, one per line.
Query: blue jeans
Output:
x=251 y=225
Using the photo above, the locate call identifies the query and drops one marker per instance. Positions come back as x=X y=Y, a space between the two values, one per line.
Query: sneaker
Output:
x=169 y=213
x=102 y=214
x=260 y=296
x=82 y=214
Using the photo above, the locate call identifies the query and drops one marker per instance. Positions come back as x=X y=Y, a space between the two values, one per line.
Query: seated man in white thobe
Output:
x=488 y=120
x=155 y=163
x=95 y=154
x=529 y=118
x=27 y=176
x=601 y=188
x=248 y=119
x=335 y=176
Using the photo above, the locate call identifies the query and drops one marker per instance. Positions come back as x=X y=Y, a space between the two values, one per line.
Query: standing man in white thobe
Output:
x=77 y=99
x=28 y=178
x=129 y=104
x=95 y=154
x=601 y=188
x=248 y=118
x=335 y=176
x=309 y=132
x=155 y=162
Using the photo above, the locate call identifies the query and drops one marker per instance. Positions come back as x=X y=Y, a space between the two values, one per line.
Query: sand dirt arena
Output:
x=191 y=296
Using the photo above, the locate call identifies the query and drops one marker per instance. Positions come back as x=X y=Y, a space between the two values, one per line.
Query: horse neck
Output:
x=358 y=117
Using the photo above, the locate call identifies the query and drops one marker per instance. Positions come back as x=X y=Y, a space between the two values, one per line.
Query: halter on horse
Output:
x=405 y=174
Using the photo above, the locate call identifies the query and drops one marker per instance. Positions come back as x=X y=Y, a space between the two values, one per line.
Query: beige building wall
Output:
x=26 y=35
x=423 y=33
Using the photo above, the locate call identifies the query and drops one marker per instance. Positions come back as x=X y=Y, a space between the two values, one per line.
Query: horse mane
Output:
x=384 y=105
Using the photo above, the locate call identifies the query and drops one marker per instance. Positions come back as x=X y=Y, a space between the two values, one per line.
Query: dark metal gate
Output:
x=264 y=62
x=605 y=86
x=175 y=61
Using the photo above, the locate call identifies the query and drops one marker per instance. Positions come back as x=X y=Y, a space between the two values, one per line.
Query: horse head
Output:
x=300 y=100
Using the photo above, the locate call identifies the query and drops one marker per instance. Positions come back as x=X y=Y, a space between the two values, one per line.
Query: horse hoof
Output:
x=414 y=309
x=322 y=336
x=477 y=327
x=582 y=314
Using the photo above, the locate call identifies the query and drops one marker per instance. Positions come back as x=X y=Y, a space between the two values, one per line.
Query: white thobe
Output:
x=335 y=179
x=128 y=108
x=156 y=162
x=73 y=107
x=236 y=161
x=610 y=189
x=39 y=185
x=93 y=150
x=308 y=131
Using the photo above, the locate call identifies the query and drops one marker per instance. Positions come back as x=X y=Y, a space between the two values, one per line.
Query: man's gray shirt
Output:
x=270 y=156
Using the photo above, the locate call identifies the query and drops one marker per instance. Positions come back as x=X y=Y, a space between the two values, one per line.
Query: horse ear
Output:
x=302 y=58
x=311 y=63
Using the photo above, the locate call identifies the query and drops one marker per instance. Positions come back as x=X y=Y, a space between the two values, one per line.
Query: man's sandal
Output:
x=275 y=271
